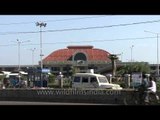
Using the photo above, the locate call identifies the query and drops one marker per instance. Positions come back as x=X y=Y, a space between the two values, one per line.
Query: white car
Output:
x=91 y=80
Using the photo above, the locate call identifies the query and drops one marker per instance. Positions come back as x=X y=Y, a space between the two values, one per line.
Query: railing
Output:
x=76 y=62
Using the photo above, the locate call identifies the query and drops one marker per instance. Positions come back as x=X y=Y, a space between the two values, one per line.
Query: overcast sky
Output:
x=113 y=33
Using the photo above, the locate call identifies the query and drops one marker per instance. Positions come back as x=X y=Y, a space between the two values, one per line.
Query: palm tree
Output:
x=113 y=58
x=135 y=67
x=74 y=70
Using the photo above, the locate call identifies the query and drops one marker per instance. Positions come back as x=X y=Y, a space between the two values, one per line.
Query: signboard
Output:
x=44 y=70
x=136 y=79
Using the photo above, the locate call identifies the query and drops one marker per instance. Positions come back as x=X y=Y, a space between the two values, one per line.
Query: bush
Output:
x=121 y=83
x=57 y=86
x=2 y=77
x=51 y=78
x=66 y=83
x=158 y=85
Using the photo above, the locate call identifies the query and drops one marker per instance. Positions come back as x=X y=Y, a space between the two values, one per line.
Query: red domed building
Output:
x=80 y=57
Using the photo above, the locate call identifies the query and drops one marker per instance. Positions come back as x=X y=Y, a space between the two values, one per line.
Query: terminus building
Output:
x=78 y=57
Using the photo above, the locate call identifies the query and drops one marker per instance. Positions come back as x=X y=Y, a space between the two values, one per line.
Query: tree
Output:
x=1 y=79
x=134 y=67
x=113 y=58
x=74 y=70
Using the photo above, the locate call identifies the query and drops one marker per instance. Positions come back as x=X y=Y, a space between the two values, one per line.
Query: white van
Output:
x=91 y=80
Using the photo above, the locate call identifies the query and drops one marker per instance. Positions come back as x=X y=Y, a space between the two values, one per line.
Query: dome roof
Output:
x=92 y=54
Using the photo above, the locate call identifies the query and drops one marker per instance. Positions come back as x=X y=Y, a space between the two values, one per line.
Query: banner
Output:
x=136 y=78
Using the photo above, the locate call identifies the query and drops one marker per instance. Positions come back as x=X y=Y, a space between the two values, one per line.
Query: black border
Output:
x=80 y=111
x=79 y=7
x=90 y=7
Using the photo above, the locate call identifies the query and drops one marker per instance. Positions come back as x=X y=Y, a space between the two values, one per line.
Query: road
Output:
x=45 y=103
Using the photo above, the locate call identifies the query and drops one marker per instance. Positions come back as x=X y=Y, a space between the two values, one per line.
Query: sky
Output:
x=118 y=34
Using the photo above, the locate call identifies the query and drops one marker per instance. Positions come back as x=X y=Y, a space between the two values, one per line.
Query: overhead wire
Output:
x=83 y=28
x=66 y=19
x=107 y=40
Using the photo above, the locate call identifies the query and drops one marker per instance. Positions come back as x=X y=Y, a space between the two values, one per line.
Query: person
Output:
x=152 y=88
x=60 y=80
x=144 y=85
x=145 y=81
x=5 y=83
x=142 y=89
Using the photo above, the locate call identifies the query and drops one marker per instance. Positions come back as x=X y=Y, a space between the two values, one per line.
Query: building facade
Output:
x=75 y=58
x=80 y=58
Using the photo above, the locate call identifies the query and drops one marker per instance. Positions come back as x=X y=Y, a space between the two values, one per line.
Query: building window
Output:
x=66 y=68
x=55 y=69
x=80 y=56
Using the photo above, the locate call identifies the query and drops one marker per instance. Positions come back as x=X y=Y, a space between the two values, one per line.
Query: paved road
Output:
x=44 y=103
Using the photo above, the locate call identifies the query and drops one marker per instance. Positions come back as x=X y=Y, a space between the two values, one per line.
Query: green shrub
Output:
x=2 y=77
x=121 y=83
x=51 y=78
x=158 y=85
x=57 y=86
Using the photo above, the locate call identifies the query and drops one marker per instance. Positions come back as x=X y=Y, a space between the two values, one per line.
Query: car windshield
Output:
x=103 y=80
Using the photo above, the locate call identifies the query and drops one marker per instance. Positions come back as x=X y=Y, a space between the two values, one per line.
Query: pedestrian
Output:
x=5 y=83
x=145 y=81
x=152 y=88
x=60 y=79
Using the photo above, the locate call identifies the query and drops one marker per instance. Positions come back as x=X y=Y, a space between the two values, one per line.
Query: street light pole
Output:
x=19 y=52
x=40 y=24
x=131 y=65
x=131 y=53
x=32 y=56
x=157 y=34
x=157 y=57
x=121 y=56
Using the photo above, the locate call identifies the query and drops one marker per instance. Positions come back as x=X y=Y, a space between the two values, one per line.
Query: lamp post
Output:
x=121 y=56
x=131 y=65
x=131 y=53
x=157 y=34
x=41 y=24
x=19 y=43
x=19 y=55
x=19 y=52
x=32 y=56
